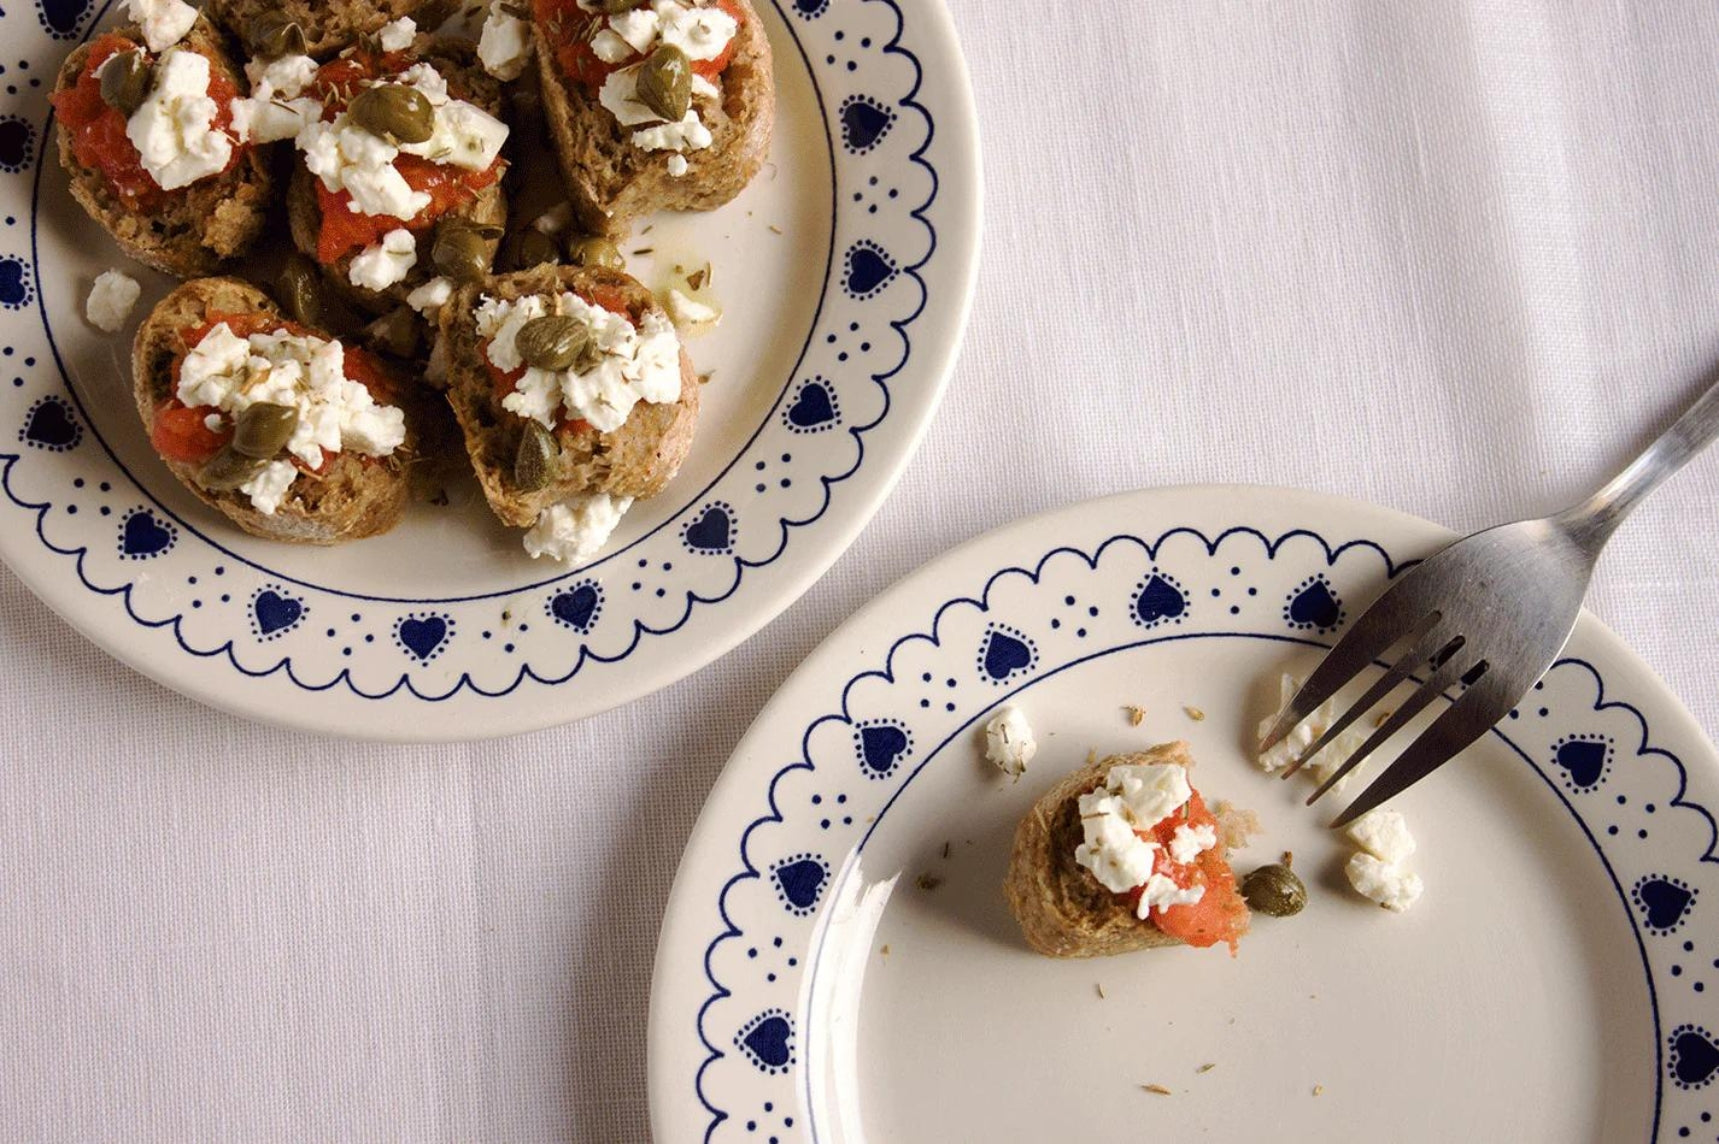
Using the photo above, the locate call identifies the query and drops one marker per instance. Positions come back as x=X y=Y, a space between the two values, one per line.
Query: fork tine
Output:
x=1370 y=637
x=1427 y=642
x=1441 y=680
x=1473 y=714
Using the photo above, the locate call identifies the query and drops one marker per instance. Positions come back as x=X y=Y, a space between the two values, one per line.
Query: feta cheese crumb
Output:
x=431 y=296
x=385 y=263
x=1161 y=893
x=1327 y=761
x=577 y=528
x=1118 y=857
x=174 y=128
x=504 y=48
x=691 y=316
x=164 y=22
x=111 y=300
x=269 y=487
x=1009 y=742
x=1151 y=793
x=1383 y=834
x=678 y=166
x=1189 y=842
x=397 y=35
x=1389 y=885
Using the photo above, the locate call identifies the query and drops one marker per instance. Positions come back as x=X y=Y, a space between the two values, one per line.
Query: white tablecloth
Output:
x=1455 y=257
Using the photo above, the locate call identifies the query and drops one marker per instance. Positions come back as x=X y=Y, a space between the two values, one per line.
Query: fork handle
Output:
x=1594 y=520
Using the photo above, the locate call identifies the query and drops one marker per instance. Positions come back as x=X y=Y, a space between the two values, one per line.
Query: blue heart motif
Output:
x=1664 y=902
x=811 y=9
x=713 y=531
x=275 y=613
x=1314 y=606
x=1004 y=654
x=142 y=537
x=1584 y=760
x=799 y=881
x=814 y=408
x=423 y=636
x=881 y=746
x=577 y=608
x=1158 y=600
x=1694 y=1057
x=16 y=139
x=865 y=122
x=869 y=269
x=14 y=290
x=51 y=425
x=62 y=17
x=767 y=1041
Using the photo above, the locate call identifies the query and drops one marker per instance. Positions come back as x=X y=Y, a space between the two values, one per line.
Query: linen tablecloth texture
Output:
x=1460 y=258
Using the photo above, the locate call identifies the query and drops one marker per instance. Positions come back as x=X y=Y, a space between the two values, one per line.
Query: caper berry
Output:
x=590 y=251
x=462 y=250
x=665 y=83
x=125 y=82
x=394 y=112
x=273 y=35
x=396 y=333
x=264 y=430
x=553 y=342
x=531 y=247
x=534 y=463
x=300 y=290
x=228 y=469
x=1274 y=891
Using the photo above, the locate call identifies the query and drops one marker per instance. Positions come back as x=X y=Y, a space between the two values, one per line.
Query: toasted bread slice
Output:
x=636 y=460
x=203 y=225
x=355 y=498
x=456 y=60
x=328 y=25
x=1062 y=909
x=611 y=182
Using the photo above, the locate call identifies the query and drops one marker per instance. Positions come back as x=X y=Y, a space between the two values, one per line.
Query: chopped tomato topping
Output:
x=98 y=131
x=567 y=24
x=179 y=434
x=1220 y=915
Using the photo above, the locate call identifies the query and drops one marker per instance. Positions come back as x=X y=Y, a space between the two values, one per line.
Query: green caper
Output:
x=462 y=250
x=1274 y=891
x=588 y=251
x=665 y=83
x=531 y=247
x=553 y=342
x=396 y=333
x=228 y=469
x=264 y=430
x=394 y=112
x=534 y=463
x=125 y=82
x=273 y=35
x=300 y=290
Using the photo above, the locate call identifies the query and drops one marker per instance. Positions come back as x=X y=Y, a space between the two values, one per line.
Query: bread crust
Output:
x=328 y=25
x=208 y=223
x=352 y=500
x=456 y=61
x=636 y=460
x=611 y=183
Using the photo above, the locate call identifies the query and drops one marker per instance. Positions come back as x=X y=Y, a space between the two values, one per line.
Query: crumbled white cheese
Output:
x=637 y=29
x=174 y=128
x=1388 y=884
x=269 y=487
x=576 y=529
x=215 y=423
x=1150 y=793
x=702 y=33
x=1383 y=834
x=689 y=315
x=637 y=363
x=611 y=48
x=397 y=35
x=690 y=134
x=431 y=296
x=554 y=220
x=504 y=48
x=385 y=263
x=1161 y=893
x=678 y=166
x=276 y=108
x=1009 y=742
x=1189 y=842
x=111 y=300
x=1329 y=760
x=1117 y=856
x=164 y=22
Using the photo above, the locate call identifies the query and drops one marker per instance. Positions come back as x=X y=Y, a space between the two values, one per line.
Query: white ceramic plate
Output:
x=846 y=272
x=826 y=973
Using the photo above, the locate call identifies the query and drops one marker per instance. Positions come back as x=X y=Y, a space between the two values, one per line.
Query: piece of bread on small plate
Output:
x=189 y=228
x=635 y=459
x=1065 y=911
x=598 y=69
x=327 y=26
x=358 y=491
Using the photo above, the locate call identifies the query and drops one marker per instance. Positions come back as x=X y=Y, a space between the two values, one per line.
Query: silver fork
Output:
x=1489 y=613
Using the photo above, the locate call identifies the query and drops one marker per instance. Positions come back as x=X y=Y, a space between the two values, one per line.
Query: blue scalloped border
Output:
x=1034 y=574
x=640 y=629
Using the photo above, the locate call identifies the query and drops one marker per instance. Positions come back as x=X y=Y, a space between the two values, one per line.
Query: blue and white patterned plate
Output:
x=846 y=272
x=837 y=962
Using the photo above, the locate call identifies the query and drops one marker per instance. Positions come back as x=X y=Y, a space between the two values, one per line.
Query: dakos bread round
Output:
x=661 y=106
x=190 y=200
x=292 y=435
